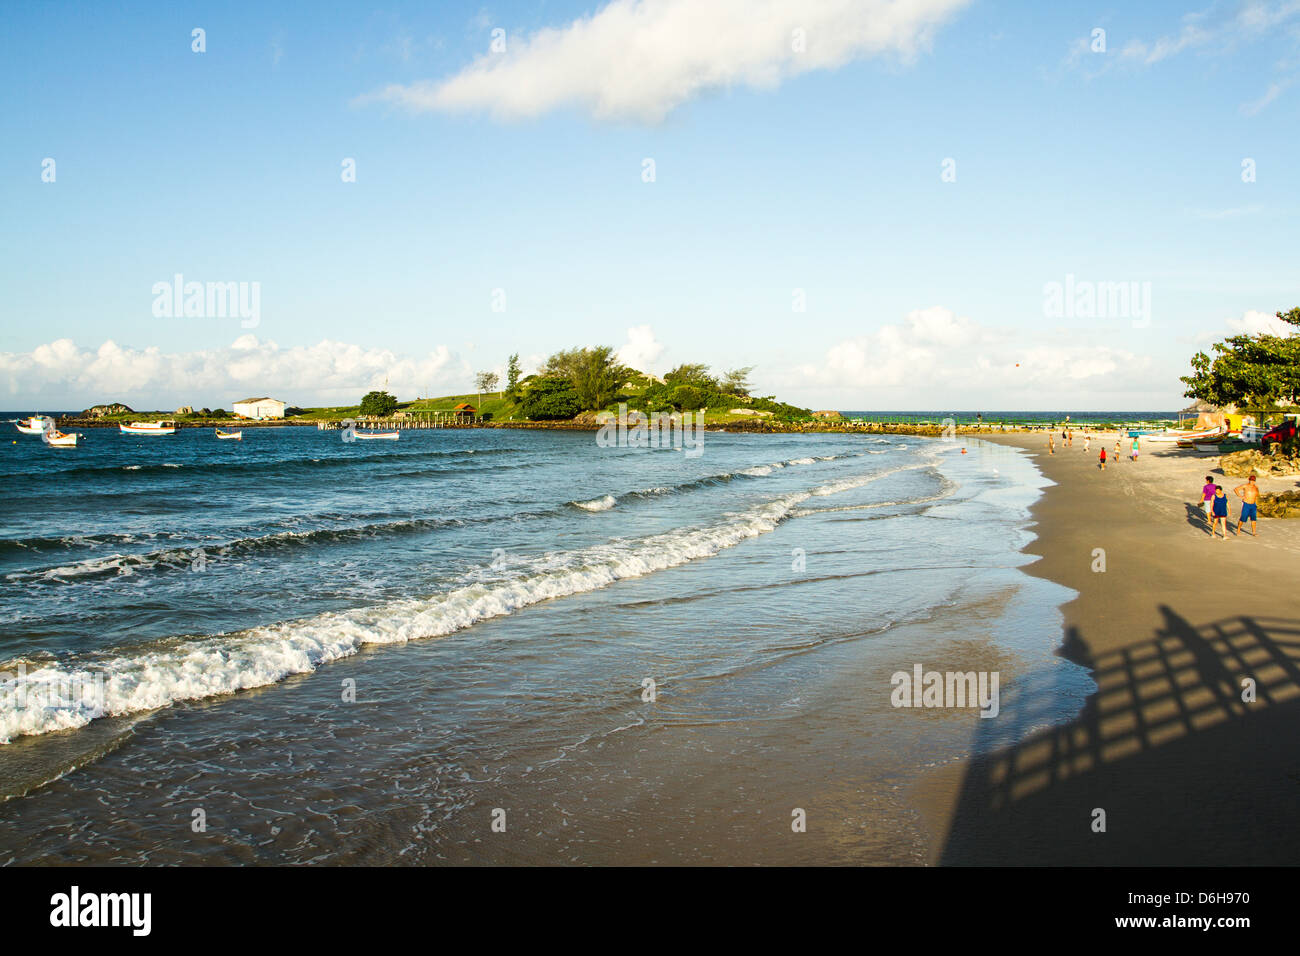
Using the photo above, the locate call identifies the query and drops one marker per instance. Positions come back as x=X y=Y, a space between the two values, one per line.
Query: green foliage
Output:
x=378 y=403
x=598 y=377
x=550 y=398
x=1249 y=370
x=593 y=373
x=737 y=380
x=695 y=375
x=512 y=375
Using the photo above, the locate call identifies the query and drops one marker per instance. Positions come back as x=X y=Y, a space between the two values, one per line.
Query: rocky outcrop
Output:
x=1283 y=504
x=1239 y=464
x=99 y=411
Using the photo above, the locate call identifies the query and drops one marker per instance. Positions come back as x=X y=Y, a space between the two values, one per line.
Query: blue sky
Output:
x=522 y=171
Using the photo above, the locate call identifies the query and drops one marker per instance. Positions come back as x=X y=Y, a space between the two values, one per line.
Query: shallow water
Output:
x=495 y=600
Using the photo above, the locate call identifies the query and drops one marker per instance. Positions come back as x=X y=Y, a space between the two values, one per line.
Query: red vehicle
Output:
x=1280 y=432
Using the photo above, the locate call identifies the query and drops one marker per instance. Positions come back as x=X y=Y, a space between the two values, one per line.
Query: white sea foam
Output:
x=197 y=667
x=603 y=503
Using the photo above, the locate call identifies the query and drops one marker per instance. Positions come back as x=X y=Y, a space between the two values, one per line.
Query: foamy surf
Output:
x=603 y=503
x=52 y=696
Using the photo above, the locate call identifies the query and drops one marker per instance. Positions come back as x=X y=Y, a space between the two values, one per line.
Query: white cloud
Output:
x=935 y=348
x=1254 y=322
x=642 y=349
x=639 y=59
x=62 y=373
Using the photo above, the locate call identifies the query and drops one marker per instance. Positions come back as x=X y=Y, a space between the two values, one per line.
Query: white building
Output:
x=259 y=408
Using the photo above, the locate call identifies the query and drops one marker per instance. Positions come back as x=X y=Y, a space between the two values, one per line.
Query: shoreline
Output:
x=1170 y=624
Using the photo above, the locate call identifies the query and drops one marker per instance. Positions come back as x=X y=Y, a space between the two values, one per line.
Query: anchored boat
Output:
x=391 y=436
x=233 y=436
x=35 y=425
x=148 y=428
x=61 y=439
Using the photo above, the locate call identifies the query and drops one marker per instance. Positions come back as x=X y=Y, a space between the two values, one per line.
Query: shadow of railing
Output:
x=1185 y=770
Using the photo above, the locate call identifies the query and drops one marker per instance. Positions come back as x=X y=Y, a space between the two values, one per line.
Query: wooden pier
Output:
x=407 y=423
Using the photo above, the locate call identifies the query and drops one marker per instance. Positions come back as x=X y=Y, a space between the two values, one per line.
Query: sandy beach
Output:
x=1185 y=770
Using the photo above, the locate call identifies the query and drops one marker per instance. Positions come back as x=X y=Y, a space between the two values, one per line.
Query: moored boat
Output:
x=61 y=439
x=234 y=436
x=391 y=436
x=34 y=425
x=148 y=428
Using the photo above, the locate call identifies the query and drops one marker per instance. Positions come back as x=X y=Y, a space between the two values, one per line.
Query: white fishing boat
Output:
x=1187 y=437
x=231 y=436
x=35 y=425
x=148 y=428
x=391 y=436
x=61 y=439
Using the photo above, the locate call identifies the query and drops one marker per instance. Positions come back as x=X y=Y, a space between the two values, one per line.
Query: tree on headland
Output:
x=512 y=375
x=737 y=380
x=378 y=403
x=594 y=374
x=694 y=375
x=1253 y=371
x=486 y=382
x=599 y=376
x=549 y=398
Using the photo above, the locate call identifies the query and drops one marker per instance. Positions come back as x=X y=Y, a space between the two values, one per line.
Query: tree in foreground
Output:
x=1251 y=371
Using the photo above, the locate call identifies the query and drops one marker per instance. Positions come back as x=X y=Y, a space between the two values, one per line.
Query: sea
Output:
x=503 y=646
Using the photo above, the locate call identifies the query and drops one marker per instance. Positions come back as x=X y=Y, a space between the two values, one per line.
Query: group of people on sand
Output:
x=1214 y=502
x=1067 y=441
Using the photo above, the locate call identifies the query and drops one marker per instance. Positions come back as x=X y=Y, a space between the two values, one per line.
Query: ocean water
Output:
x=502 y=645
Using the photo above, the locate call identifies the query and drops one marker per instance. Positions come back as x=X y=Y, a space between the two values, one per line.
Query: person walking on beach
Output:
x=1220 y=503
x=1207 y=496
x=1051 y=444
x=1103 y=457
x=1069 y=437
x=1135 y=448
x=1249 y=495
x=1087 y=440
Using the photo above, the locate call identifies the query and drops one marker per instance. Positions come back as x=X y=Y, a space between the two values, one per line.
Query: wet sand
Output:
x=1174 y=628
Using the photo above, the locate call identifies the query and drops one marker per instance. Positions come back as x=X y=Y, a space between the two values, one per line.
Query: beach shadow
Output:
x=1196 y=518
x=1185 y=770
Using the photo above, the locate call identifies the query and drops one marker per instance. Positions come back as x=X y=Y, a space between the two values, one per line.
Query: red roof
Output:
x=465 y=405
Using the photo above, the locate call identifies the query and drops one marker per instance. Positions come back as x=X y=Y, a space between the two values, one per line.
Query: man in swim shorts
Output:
x=1249 y=495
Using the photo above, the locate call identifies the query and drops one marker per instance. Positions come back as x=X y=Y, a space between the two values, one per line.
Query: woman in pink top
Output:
x=1207 y=497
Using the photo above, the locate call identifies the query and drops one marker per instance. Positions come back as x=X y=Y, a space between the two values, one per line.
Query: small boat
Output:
x=235 y=436
x=61 y=439
x=391 y=436
x=1186 y=438
x=35 y=425
x=1206 y=445
x=148 y=428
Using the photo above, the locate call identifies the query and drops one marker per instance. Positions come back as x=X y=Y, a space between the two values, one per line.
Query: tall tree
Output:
x=1255 y=371
x=512 y=374
x=486 y=382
